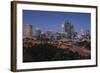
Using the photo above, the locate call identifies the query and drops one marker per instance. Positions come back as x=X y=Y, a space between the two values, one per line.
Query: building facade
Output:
x=28 y=31
x=67 y=28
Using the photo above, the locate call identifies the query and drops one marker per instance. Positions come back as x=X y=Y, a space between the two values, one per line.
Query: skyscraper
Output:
x=62 y=28
x=68 y=28
x=28 y=31
x=38 y=33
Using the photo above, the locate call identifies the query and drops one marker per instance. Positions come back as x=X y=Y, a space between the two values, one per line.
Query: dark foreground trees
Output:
x=48 y=52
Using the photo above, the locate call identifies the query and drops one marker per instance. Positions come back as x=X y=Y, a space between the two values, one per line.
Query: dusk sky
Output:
x=52 y=20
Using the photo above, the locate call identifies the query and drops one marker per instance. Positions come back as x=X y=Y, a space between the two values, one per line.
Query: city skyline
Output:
x=52 y=21
x=56 y=36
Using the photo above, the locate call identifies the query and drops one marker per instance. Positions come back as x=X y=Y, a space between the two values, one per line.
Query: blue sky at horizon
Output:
x=52 y=20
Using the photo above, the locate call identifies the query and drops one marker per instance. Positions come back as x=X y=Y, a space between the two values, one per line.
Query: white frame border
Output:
x=37 y=65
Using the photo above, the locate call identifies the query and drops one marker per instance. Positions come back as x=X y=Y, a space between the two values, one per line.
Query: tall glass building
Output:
x=68 y=28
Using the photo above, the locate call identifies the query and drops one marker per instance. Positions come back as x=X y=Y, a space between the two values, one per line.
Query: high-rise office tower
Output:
x=68 y=28
x=38 y=33
x=62 y=28
x=28 y=31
